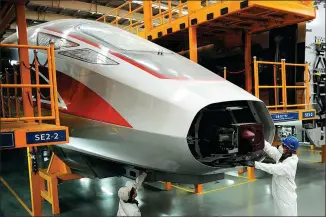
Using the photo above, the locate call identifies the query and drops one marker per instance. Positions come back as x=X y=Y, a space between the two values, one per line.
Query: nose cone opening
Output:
x=223 y=134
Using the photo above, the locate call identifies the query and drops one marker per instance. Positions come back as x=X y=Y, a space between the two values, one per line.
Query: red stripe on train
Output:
x=83 y=102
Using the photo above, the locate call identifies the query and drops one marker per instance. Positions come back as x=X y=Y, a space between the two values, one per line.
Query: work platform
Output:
x=22 y=121
x=252 y=16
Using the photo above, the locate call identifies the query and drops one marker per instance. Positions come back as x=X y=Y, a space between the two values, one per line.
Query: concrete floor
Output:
x=234 y=196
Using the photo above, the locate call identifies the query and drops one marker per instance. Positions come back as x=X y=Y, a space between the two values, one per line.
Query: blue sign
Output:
x=7 y=140
x=310 y=114
x=290 y=116
x=46 y=136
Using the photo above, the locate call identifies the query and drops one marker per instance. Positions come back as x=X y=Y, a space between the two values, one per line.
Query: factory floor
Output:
x=233 y=196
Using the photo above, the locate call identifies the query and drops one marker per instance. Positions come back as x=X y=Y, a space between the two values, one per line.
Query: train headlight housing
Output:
x=88 y=55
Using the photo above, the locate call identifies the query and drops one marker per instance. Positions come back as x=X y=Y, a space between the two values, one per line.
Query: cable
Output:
x=30 y=101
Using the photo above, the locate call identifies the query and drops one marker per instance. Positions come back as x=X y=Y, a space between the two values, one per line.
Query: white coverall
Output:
x=283 y=184
x=131 y=209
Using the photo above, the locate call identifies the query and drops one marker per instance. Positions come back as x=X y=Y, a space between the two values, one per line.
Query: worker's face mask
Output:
x=133 y=194
x=287 y=153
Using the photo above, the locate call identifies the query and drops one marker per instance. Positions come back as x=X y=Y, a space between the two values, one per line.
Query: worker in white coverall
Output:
x=284 y=171
x=128 y=205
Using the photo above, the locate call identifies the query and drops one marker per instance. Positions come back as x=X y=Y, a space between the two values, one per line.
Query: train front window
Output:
x=119 y=38
x=152 y=56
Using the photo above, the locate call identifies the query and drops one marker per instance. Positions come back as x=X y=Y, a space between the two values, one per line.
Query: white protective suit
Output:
x=283 y=184
x=129 y=209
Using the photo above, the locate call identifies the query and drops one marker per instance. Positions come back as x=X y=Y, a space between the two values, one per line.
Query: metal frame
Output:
x=27 y=86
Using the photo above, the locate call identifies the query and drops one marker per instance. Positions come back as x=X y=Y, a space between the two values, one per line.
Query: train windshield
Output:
x=146 y=53
x=119 y=38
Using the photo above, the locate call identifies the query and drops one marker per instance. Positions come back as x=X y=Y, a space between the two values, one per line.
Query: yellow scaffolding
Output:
x=16 y=119
x=252 y=15
x=23 y=122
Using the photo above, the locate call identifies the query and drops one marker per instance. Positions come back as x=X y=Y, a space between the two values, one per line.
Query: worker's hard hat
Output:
x=123 y=193
x=291 y=143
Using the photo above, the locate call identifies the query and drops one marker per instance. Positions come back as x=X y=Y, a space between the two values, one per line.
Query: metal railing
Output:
x=140 y=17
x=118 y=14
x=283 y=86
x=168 y=13
x=13 y=94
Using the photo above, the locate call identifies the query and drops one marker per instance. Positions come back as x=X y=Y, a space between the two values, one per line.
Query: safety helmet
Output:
x=291 y=143
x=123 y=193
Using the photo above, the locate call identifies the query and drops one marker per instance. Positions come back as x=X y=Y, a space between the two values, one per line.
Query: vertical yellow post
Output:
x=55 y=90
x=55 y=197
x=167 y=186
x=193 y=43
x=148 y=14
x=275 y=84
x=251 y=173
x=23 y=57
x=225 y=73
x=199 y=188
x=8 y=95
x=284 y=90
x=170 y=10
x=50 y=81
x=247 y=60
x=37 y=79
x=307 y=75
x=256 y=80
x=192 y=7
x=35 y=187
x=16 y=96
x=323 y=153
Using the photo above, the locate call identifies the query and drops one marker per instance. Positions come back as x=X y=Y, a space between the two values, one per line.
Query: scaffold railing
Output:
x=281 y=98
x=14 y=92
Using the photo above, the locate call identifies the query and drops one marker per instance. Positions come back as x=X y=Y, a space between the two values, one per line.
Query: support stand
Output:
x=57 y=169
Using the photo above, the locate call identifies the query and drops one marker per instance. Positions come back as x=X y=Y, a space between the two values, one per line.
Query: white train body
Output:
x=130 y=103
